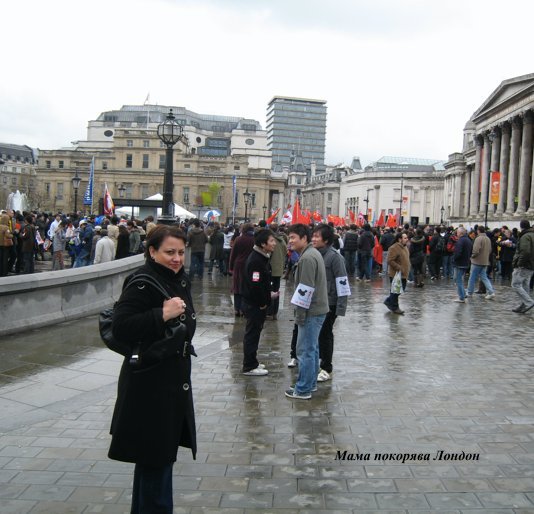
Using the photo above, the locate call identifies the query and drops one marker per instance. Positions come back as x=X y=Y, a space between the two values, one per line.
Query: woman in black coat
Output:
x=123 y=243
x=154 y=412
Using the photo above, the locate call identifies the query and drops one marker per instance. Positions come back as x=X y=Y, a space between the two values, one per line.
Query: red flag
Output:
x=381 y=220
x=273 y=216
x=392 y=221
x=296 y=216
x=352 y=216
x=317 y=216
x=109 y=206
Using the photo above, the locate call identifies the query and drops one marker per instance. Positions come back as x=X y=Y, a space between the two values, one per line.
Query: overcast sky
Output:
x=401 y=77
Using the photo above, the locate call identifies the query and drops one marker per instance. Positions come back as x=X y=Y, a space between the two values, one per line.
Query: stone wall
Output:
x=41 y=299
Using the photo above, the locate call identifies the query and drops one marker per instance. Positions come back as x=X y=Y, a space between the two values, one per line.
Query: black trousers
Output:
x=326 y=340
x=393 y=299
x=293 y=353
x=152 y=490
x=255 y=320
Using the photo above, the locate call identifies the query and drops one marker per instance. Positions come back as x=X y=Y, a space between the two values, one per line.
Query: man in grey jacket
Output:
x=480 y=260
x=338 y=290
x=311 y=305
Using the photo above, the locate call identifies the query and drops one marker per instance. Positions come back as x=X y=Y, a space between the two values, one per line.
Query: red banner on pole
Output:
x=495 y=187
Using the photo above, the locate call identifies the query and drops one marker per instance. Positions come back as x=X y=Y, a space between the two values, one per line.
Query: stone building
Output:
x=17 y=173
x=130 y=158
x=492 y=177
x=410 y=186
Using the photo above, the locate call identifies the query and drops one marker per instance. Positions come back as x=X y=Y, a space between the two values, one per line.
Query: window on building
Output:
x=129 y=143
x=329 y=197
x=186 y=195
x=14 y=181
x=48 y=164
x=161 y=145
x=253 y=199
x=104 y=165
x=4 y=180
x=59 y=191
x=162 y=162
x=145 y=190
x=47 y=188
x=129 y=159
x=237 y=168
x=128 y=190
x=61 y=165
x=146 y=143
x=188 y=166
x=145 y=161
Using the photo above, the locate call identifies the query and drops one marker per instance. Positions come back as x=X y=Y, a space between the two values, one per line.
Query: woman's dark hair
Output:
x=326 y=232
x=262 y=236
x=159 y=234
x=301 y=230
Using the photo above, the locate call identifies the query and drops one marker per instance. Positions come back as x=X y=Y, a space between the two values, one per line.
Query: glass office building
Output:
x=297 y=126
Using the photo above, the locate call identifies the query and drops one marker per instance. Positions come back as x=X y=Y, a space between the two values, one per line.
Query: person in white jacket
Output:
x=105 y=248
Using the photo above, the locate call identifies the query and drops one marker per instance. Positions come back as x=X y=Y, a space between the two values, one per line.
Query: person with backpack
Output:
x=436 y=247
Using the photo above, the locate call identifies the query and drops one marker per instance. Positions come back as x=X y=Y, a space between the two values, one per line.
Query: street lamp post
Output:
x=264 y=210
x=170 y=132
x=400 y=201
x=246 y=199
x=366 y=200
x=76 y=184
x=442 y=210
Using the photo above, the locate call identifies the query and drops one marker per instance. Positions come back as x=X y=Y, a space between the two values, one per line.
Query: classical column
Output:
x=503 y=167
x=457 y=185
x=495 y=138
x=513 y=173
x=526 y=164
x=465 y=192
x=531 y=206
x=484 y=171
x=475 y=178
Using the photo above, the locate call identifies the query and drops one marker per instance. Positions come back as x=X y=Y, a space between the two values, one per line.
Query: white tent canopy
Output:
x=178 y=210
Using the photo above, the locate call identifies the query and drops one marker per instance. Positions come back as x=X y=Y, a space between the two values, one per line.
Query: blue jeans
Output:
x=363 y=260
x=447 y=266
x=350 y=261
x=197 y=264
x=460 y=274
x=476 y=272
x=152 y=490
x=308 y=353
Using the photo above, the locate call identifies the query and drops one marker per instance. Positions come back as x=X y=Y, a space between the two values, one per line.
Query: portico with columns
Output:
x=497 y=138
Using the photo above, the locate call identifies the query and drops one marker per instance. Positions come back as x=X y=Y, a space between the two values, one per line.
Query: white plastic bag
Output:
x=396 y=283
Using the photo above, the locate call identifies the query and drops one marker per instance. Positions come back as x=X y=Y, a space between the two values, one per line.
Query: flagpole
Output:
x=93 y=188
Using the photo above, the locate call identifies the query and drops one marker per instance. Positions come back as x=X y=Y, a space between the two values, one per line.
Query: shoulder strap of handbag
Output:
x=148 y=279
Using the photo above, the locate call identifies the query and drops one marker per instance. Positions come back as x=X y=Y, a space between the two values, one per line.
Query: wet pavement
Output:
x=446 y=377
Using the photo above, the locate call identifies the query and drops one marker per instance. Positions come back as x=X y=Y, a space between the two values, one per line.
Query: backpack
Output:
x=440 y=245
x=450 y=245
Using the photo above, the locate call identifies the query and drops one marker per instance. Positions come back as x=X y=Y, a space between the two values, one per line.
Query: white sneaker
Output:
x=292 y=363
x=256 y=372
x=490 y=296
x=323 y=376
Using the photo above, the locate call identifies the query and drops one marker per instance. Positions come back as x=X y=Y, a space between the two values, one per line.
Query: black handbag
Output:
x=173 y=343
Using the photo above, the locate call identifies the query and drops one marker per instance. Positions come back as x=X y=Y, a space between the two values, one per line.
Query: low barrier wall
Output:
x=40 y=299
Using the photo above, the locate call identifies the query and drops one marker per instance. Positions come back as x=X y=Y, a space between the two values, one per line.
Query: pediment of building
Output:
x=509 y=93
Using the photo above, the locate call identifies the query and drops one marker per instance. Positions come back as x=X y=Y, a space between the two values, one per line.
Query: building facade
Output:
x=17 y=173
x=296 y=125
x=130 y=158
x=410 y=187
x=492 y=177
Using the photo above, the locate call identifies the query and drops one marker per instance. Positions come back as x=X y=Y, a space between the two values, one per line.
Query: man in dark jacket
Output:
x=523 y=264
x=256 y=297
x=338 y=291
x=385 y=242
x=350 y=249
x=196 y=240
x=366 y=242
x=462 y=260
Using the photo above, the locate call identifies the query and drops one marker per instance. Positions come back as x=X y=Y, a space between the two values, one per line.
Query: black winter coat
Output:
x=462 y=252
x=154 y=412
x=256 y=283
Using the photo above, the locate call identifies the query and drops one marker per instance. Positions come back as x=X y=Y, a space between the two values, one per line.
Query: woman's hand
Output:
x=173 y=308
